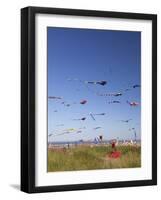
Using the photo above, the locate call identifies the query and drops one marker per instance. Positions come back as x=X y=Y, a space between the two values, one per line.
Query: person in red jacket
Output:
x=113 y=144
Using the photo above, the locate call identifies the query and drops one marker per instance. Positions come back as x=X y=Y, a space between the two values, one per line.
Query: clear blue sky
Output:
x=89 y=54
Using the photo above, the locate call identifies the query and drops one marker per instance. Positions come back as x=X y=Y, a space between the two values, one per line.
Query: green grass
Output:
x=87 y=158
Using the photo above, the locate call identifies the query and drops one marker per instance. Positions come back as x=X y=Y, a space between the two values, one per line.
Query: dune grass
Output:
x=87 y=158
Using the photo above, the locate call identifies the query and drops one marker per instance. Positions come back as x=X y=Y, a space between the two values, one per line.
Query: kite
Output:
x=117 y=94
x=115 y=154
x=82 y=128
x=134 y=132
x=133 y=103
x=86 y=83
x=133 y=86
x=67 y=104
x=66 y=132
x=131 y=129
x=60 y=125
x=111 y=94
x=126 y=121
x=136 y=86
x=79 y=131
x=98 y=139
x=114 y=102
x=92 y=115
x=71 y=129
x=97 y=82
x=83 y=102
x=128 y=89
x=102 y=82
x=98 y=127
x=64 y=103
x=99 y=114
x=83 y=118
x=54 y=97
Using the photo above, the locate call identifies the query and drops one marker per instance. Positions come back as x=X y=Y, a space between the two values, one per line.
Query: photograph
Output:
x=93 y=99
x=89 y=99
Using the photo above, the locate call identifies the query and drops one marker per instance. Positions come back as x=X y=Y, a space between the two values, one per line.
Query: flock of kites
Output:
x=92 y=115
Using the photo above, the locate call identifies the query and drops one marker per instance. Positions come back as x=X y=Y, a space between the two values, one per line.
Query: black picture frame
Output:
x=28 y=98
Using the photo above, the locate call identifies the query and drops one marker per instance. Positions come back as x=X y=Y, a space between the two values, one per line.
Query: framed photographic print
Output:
x=88 y=99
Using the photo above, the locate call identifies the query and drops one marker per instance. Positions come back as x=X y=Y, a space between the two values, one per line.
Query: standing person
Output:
x=101 y=138
x=113 y=144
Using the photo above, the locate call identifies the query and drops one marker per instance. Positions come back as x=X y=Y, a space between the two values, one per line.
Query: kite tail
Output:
x=106 y=95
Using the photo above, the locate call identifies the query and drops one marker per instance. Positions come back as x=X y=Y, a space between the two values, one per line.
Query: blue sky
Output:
x=91 y=55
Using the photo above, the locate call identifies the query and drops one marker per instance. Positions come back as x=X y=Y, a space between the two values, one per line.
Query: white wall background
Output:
x=10 y=98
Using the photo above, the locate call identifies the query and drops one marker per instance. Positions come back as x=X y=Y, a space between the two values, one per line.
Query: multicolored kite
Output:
x=133 y=103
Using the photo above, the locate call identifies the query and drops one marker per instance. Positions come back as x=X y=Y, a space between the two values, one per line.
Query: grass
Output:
x=87 y=158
